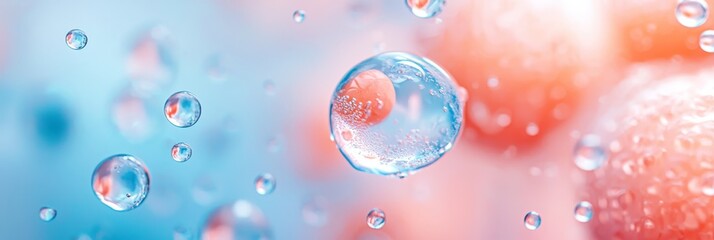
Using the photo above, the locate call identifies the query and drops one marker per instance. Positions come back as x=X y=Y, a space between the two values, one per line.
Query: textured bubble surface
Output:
x=583 y=212
x=240 y=220
x=47 y=214
x=589 y=153
x=425 y=8
x=121 y=182
x=76 y=39
x=182 y=109
x=395 y=113
x=692 y=13
x=376 y=218
x=181 y=152
x=265 y=184
x=532 y=220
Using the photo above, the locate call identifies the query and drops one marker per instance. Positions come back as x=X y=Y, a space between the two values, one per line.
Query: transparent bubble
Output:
x=238 y=220
x=425 y=8
x=76 y=39
x=181 y=233
x=181 y=152
x=265 y=184
x=299 y=16
x=314 y=212
x=590 y=153
x=376 y=218
x=532 y=220
x=395 y=113
x=583 y=212
x=706 y=41
x=692 y=13
x=182 y=109
x=47 y=214
x=121 y=182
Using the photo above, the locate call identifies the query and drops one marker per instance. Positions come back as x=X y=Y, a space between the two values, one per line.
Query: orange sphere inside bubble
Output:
x=368 y=98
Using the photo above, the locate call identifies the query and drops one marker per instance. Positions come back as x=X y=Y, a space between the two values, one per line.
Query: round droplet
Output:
x=47 y=214
x=706 y=41
x=265 y=184
x=532 y=220
x=425 y=8
x=583 y=212
x=238 y=220
x=299 y=16
x=181 y=152
x=692 y=13
x=182 y=109
x=395 y=113
x=121 y=182
x=376 y=218
x=589 y=153
x=76 y=39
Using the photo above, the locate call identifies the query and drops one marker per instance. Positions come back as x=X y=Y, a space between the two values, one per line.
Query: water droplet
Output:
x=589 y=153
x=706 y=41
x=532 y=129
x=583 y=212
x=314 y=212
x=47 y=214
x=76 y=39
x=394 y=88
x=181 y=233
x=121 y=182
x=425 y=8
x=265 y=184
x=707 y=184
x=181 y=152
x=532 y=220
x=238 y=220
x=299 y=16
x=692 y=13
x=376 y=218
x=182 y=109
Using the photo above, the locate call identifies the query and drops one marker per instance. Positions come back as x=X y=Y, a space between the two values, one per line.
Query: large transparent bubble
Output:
x=395 y=113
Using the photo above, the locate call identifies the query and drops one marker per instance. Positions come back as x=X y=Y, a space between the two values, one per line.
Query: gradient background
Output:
x=265 y=82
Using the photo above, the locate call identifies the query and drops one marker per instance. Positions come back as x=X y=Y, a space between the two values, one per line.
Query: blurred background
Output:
x=536 y=73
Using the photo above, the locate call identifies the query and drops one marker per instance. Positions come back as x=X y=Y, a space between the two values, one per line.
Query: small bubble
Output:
x=76 y=39
x=376 y=218
x=589 y=153
x=706 y=41
x=265 y=184
x=299 y=16
x=583 y=212
x=692 y=13
x=47 y=214
x=181 y=152
x=182 y=109
x=532 y=220
x=532 y=129
x=425 y=8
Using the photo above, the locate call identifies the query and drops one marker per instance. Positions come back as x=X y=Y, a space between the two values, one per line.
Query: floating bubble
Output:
x=532 y=220
x=590 y=153
x=583 y=212
x=425 y=8
x=237 y=220
x=395 y=113
x=182 y=109
x=76 y=39
x=47 y=214
x=376 y=218
x=121 y=182
x=706 y=41
x=181 y=152
x=299 y=16
x=692 y=13
x=265 y=184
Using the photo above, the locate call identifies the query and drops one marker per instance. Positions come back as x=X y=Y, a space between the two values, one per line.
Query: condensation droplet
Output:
x=376 y=218
x=532 y=220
